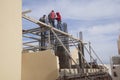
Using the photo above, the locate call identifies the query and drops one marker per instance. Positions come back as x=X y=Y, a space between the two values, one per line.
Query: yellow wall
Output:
x=39 y=66
x=10 y=39
x=74 y=56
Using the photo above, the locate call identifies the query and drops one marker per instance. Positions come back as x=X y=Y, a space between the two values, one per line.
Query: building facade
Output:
x=115 y=67
x=119 y=45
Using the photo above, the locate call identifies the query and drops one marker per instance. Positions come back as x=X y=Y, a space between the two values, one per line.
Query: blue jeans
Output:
x=59 y=25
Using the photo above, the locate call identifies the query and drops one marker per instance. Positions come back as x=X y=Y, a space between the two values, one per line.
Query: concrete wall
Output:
x=39 y=66
x=115 y=72
x=10 y=39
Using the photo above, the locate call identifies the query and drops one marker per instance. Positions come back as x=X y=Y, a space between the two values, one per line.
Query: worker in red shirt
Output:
x=58 y=18
x=51 y=18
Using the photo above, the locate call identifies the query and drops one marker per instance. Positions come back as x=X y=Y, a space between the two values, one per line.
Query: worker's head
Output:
x=44 y=16
x=52 y=11
x=57 y=13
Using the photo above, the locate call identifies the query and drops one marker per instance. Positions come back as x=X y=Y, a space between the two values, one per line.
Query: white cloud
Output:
x=93 y=10
x=104 y=29
x=81 y=10
x=98 y=31
x=103 y=38
x=101 y=34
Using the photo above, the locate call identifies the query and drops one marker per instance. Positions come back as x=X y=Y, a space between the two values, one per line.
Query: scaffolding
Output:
x=47 y=37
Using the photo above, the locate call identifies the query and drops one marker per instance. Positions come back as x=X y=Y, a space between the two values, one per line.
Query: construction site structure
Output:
x=45 y=37
x=37 y=63
x=115 y=63
x=115 y=67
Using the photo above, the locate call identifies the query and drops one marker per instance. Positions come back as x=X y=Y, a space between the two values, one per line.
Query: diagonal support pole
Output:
x=68 y=52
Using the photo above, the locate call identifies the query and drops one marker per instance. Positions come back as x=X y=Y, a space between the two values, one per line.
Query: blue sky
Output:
x=99 y=20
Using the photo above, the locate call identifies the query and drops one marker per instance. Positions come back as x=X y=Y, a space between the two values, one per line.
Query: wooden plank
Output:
x=49 y=26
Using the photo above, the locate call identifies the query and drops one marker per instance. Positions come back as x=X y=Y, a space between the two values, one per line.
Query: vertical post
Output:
x=49 y=43
x=90 y=56
x=119 y=45
x=81 y=48
x=90 y=52
x=39 y=42
x=42 y=40
x=81 y=36
x=80 y=57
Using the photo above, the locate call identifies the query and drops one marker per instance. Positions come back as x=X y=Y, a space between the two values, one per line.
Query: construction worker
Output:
x=51 y=18
x=58 y=18
x=43 y=19
x=43 y=42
